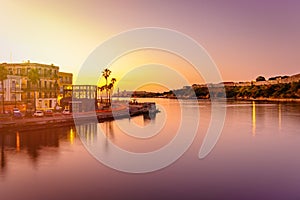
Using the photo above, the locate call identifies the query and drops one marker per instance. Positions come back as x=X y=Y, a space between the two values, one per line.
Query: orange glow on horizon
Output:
x=159 y=67
x=153 y=87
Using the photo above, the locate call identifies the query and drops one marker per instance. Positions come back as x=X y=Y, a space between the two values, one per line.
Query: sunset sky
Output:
x=244 y=38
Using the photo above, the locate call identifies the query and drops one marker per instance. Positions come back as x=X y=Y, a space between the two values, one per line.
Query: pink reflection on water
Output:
x=53 y=164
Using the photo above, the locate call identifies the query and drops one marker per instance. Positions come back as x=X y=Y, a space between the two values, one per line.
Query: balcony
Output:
x=16 y=90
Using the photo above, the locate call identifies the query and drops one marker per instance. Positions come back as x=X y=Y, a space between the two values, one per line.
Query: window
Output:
x=13 y=84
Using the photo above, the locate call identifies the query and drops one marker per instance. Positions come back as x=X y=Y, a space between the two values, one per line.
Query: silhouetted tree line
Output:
x=282 y=90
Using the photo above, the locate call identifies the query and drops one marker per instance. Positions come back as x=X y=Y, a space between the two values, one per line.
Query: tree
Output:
x=101 y=89
x=260 y=78
x=106 y=73
x=110 y=87
x=3 y=76
x=34 y=78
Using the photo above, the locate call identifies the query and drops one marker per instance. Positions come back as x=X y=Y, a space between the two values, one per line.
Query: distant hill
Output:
x=279 y=87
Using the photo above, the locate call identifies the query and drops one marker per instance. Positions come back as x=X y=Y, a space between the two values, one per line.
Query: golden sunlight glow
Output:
x=128 y=65
x=152 y=87
x=253 y=118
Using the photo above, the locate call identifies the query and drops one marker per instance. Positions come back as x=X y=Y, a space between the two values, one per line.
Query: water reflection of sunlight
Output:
x=147 y=125
x=17 y=141
x=279 y=116
x=72 y=136
x=253 y=118
x=107 y=128
x=140 y=122
x=87 y=132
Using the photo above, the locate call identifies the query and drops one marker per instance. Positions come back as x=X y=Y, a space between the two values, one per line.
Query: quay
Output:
x=59 y=119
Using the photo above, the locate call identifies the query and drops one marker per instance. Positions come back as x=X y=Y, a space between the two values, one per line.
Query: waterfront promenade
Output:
x=59 y=119
x=32 y=123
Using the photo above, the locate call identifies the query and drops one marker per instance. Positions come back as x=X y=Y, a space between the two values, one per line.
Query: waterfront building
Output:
x=83 y=98
x=80 y=98
x=12 y=88
x=19 y=90
x=279 y=80
x=65 y=80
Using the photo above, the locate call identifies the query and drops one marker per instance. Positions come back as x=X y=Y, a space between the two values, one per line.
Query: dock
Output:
x=59 y=119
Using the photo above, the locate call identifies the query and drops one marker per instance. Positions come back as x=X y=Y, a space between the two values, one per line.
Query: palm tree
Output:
x=113 y=80
x=3 y=76
x=110 y=87
x=106 y=73
x=101 y=89
x=34 y=78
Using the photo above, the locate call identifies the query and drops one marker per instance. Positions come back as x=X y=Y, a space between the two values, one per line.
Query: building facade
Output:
x=65 y=80
x=80 y=98
x=12 y=88
x=19 y=89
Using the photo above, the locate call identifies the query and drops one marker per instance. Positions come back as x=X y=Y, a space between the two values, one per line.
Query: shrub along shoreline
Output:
x=288 y=91
x=269 y=92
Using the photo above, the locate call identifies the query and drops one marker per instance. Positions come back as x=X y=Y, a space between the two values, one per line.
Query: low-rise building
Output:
x=80 y=98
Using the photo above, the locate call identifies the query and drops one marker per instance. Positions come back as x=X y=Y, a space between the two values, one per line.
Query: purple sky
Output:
x=244 y=38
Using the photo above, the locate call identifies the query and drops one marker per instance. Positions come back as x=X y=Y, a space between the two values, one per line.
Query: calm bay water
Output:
x=257 y=156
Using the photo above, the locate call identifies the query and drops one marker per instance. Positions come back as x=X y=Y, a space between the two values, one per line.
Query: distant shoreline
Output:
x=270 y=99
x=236 y=99
x=282 y=92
